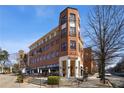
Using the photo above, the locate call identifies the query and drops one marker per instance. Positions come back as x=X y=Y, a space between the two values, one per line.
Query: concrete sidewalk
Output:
x=93 y=82
x=9 y=81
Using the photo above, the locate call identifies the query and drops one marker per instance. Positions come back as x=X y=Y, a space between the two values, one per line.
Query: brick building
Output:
x=61 y=50
x=88 y=60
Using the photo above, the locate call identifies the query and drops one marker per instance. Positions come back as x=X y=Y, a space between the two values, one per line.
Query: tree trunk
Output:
x=99 y=70
x=2 y=68
x=103 y=72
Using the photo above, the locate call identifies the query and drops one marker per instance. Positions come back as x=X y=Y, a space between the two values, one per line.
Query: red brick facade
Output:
x=64 y=40
x=88 y=60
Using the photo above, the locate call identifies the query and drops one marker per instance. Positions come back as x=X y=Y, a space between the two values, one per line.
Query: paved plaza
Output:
x=9 y=81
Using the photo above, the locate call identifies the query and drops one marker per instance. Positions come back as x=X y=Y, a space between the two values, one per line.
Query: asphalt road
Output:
x=116 y=80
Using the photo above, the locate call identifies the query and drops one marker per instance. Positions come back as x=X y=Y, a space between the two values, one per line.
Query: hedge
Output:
x=20 y=79
x=53 y=80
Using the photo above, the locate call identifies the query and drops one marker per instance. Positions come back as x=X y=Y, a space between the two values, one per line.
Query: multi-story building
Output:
x=88 y=60
x=61 y=50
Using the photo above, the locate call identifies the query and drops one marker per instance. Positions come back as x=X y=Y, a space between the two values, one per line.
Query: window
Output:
x=55 y=34
x=73 y=44
x=35 y=52
x=32 y=54
x=51 y=54
x=35 y=60
x=48 y=56
x=72 y=20
x=57 y=41
x=48 y=38
x=72 y=17
x=64 y=46
x=43 y=49
x=72 y=24
x=43 y=40
x=52 y=43
x=63 y=32
x=72 y=31
x=40 y=58
x=38 y=44
x=44 y=57
x=54 y=54
x=40 y=50
x=47 y=46
x=52 y=35
x=32 y=61
x=63 y=20
x=57 y=53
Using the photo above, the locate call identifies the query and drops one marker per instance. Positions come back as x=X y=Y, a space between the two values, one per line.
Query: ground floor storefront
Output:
x=66 y=67
x=70 y=67
x=52 y=69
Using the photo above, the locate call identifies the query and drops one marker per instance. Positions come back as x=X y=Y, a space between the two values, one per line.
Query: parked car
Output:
x=108 y=74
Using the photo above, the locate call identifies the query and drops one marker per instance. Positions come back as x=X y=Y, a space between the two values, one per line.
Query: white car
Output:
x=108 y=74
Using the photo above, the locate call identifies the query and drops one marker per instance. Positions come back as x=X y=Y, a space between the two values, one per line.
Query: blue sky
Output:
x=20 y=26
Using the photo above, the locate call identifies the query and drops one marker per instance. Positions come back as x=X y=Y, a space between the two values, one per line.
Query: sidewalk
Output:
x=9 y=81
x=93 y=82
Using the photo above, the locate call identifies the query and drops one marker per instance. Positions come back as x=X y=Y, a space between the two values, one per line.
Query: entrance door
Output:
x=72 y=68
x=64 y=68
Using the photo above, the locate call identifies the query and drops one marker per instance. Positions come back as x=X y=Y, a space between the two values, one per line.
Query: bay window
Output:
x=72 y=31
x=73 y=44
x=63 y=32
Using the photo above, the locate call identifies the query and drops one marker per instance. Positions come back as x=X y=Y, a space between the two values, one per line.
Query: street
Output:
x=116 y=80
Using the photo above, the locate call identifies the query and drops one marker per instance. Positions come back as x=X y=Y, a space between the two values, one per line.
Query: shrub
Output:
x=20 y=77
x=53 y=80
x=19 y=73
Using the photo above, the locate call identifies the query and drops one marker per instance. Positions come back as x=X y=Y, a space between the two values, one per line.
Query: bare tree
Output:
x=106 y=31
